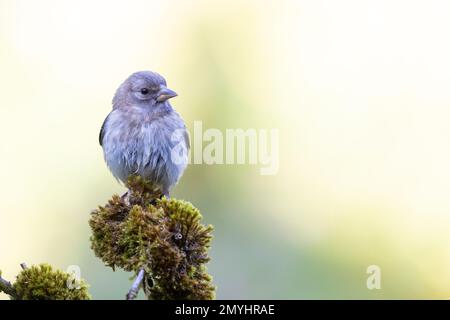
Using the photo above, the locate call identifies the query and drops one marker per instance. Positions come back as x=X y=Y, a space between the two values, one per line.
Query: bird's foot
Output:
x=126 y=197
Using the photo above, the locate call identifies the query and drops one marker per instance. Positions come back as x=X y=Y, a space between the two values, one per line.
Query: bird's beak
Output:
x=165 y=94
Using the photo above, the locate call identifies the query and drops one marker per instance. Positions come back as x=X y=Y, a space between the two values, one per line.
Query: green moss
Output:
x=41 y=282
x=165 y=237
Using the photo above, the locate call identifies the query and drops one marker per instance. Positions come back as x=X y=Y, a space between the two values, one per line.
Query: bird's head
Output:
x=144 y=89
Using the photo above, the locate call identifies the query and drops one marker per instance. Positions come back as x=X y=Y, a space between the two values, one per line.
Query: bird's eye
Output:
x=145 y=91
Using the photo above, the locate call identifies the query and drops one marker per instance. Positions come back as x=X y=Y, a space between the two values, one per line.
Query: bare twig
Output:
x=7 y=288
x=131 y=295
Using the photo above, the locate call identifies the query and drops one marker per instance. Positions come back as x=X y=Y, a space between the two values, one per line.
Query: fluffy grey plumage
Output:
x=143 y=134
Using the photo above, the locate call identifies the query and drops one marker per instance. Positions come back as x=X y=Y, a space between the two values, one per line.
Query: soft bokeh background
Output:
x=358 y=89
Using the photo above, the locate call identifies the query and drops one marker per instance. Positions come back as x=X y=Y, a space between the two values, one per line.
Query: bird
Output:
x=143 y=135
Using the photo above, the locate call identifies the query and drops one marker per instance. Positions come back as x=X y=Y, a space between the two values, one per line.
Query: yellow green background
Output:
x=359 y=91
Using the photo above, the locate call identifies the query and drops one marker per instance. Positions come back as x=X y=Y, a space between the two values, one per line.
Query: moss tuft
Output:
x=41 y=282
x=163 y=236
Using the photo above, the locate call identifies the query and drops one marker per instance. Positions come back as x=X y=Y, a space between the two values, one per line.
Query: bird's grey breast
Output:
x=139 y=142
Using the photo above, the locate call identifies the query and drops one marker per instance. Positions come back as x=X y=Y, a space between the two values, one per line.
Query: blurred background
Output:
x=359 y=91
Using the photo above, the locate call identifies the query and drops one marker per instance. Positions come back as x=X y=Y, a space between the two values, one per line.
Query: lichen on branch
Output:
x=164 y=237
x=42 y=282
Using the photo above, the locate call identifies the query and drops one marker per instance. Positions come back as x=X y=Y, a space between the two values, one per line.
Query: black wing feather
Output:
x=102 y=132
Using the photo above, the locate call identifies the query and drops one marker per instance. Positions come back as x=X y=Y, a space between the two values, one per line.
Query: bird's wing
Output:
x=102 y=131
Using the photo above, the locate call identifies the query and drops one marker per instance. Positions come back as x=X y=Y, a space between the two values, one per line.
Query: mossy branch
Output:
x=41 y=282
x=163 y=237
x=161 y=240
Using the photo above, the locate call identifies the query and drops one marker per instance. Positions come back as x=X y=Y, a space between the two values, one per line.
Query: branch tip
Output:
x=132 y=294
x=7 y=288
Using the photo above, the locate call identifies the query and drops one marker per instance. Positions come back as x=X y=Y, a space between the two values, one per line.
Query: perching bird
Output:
x=143 y=135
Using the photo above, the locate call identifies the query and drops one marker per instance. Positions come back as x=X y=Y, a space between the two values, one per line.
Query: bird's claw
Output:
x=126 y=198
